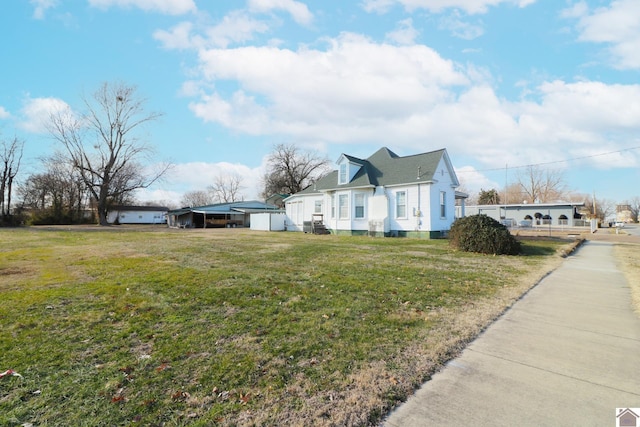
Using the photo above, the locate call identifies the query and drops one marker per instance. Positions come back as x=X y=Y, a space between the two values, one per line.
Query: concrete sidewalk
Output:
x=567 y=354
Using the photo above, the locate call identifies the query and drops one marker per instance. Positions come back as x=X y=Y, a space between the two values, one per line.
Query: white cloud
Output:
x=4 y=114
x=405 y=34
x=460 y=28
x=314 y=93
x=178 y=37
x=298 y=11
x=41 y=7
x=194 y=176
x=617 y=26
x=169 y=7
x=472 y=180
x=377 y=6
x=437 y=6
x=357 y=91
x=236 y=27
x=36 y=113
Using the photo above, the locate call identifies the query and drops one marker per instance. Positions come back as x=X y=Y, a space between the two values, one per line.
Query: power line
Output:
x=552 y=162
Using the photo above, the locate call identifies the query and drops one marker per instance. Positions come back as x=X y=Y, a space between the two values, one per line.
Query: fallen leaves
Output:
x=163 y=367
x=10 y=373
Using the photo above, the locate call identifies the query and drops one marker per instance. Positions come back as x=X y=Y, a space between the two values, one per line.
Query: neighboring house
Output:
x=277 y=199
x=624 y=213
x=137 y=215
x=383 y=195
x=234 y=214
x=534 y=214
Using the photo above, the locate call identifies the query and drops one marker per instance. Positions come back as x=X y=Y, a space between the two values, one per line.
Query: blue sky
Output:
x=499 y=83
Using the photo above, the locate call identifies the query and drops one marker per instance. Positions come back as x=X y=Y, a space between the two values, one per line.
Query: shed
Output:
x=268 y=221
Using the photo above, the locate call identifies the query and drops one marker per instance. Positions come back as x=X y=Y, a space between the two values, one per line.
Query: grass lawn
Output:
x=167 y=327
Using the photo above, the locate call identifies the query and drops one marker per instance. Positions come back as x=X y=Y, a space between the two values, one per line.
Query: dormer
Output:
x=348 y=166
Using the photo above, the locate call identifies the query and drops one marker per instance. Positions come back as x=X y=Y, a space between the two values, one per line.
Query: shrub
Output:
x=480 y=233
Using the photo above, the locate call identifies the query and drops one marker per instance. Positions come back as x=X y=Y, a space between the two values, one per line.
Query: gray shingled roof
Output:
x=384 y=168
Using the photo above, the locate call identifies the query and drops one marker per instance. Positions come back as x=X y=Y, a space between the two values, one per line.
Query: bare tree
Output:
x=512 y=194
x=10 y=157
x=599 y=208
x=196 y=198
x=290 y=170
x=102 y=145
x=541 y=185
x=57 y=195
x=634 y=205
x=226 y=188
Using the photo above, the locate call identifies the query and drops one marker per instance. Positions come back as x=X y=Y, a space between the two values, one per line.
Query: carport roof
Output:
x=251 y=206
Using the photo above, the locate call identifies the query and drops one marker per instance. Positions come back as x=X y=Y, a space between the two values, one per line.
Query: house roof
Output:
x=139 y=208
x=385 y=168
x=233 y=207
x=531 y=205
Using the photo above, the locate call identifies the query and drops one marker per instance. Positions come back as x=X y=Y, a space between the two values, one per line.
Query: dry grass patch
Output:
x=628 y=257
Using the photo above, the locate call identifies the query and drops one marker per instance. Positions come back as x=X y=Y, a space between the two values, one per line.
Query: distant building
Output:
x=533 y=214
x=624 y=213
x=233 y=214
x=137 y=215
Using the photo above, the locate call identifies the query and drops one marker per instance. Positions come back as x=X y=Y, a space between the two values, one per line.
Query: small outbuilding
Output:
x=137 y=215
x=268 y=221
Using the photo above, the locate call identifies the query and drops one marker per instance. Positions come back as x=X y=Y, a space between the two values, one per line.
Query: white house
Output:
x=383 y=195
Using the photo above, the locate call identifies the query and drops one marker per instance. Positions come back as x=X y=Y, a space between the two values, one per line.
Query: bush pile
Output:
x=482 y=234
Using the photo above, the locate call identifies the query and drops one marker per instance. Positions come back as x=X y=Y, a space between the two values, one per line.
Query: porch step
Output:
x=319 y=228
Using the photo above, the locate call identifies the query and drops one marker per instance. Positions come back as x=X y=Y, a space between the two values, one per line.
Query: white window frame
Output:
x=343 y=174
x=343 y=206
x=443 y=204
x=403 y=205
x=317 y=206
x=359 y=204
x=333 y=206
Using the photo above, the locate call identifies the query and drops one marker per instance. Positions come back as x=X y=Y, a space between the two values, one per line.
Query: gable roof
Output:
x=386 y=168
x=139 y=208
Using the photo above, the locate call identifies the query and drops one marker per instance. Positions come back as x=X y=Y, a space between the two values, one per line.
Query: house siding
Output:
x=379 y=201
x=137 y=217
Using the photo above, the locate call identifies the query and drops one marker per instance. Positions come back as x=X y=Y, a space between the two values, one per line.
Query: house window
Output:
x=443 y=204
x=333 y=206
x=343 y=206
x=401 y=204
x=359 y=205
x=317 y=208
x=342 y=179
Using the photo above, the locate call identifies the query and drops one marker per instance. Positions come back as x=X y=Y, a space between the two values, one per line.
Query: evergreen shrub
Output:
x=482 y=234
